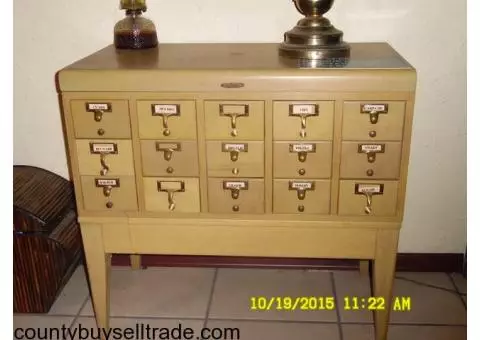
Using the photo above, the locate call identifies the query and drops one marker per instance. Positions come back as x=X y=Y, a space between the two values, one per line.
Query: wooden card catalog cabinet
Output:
x=173 y=159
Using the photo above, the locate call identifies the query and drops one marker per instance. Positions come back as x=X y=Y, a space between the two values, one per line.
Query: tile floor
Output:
x=220 y=298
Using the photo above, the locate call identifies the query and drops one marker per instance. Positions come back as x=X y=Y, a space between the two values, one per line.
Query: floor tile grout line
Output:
x=77 y=316
x=460 y=296
x=334 y=289
x=210 y=298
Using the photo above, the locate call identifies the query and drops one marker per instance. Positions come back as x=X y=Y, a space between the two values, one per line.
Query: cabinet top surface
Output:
x=257 y=56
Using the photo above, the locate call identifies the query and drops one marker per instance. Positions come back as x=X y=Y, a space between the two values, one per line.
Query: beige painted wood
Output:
x=365 y=268
x=383 y=276
x=119 y=164
x=268 y=183
x=115 y=124
x=219 y=127
x=116 y=237
x=246 y=163
x=159 y=160
x=353 y=204
x=289 y=163
x=357 y=125
x=98 y=266
x=136 y=262
x=249 y=201
x=355 y=164
x=124 y=197
x=181 y=126
x=286 y=127
x=336 y=155
x=186 y=201
x=316 y=201
x=202 y=156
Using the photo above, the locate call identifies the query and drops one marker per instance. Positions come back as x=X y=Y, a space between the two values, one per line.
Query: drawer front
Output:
x=239 y=159
x=302 y=159
x=167 y=119
x=382 y=200
x=303 y=120
x=242 y=196
x=105 y=157
x=109 y=193
x=301 y=197
x=361 y=121
x=228 y=120
x=172 y=194
x=165 y=158
x=101 y=118
x=370 y=160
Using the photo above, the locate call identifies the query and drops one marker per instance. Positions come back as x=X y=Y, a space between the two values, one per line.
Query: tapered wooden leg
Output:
x=98 y=267
x=136 y=262
x=383 y=276
x=364 y=268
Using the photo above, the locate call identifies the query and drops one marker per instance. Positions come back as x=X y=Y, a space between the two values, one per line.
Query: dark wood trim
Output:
x=406 y=262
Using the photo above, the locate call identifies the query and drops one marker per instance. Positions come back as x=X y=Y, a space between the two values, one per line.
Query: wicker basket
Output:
x=47 y=244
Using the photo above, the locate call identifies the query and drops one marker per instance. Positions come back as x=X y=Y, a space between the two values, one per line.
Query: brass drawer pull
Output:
x=235 y=187
x=166 y=111
x=374 y=110
x=302 y=150
x=168 y=149
x=234 y=111
x=104 y=149
x=369 y=190
x=98 y=110
x=171 y=188
x=107 y=186
x=103 y=163
x=304 y=111
x=234 y=150
x=301 y=187
x=371 y=150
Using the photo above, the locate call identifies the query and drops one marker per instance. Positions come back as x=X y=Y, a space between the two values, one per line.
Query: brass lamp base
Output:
x=314 y=37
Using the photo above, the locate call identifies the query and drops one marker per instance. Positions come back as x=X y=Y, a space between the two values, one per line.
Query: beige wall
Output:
x=431 y=34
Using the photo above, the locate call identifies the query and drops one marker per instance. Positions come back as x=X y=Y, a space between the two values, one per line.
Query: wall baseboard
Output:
x=406 y=262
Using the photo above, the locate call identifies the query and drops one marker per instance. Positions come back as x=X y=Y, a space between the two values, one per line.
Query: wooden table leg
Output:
x=136 y=262
x=383 y=276
x=364 y=268
x=98 y=268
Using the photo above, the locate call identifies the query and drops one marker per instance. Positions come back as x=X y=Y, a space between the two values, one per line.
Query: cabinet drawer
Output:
x=234 y=120
x=373 y=120
x=226 y=159
x=172 y=194
x=105 y=157
x=169 y=158
x=368 y=198
x=305 y=196
x=303 y=120
x=302 y=159
x=100 y=118
x=243 y=196
x=109 y=193
x=167 y=119
x=370 y=160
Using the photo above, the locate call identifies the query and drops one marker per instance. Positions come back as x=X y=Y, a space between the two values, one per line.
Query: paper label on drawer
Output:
x=302 y=147
x=302 y=185
x=235 y=147
x=379 y=108
x=103 y=148
x=239 y=110
x=160 y=146
x=241 y=185
x=112 y=182
x=172 y=186
x=369 y=188
x=166 y=109
x=371 y=148
x=93 y=107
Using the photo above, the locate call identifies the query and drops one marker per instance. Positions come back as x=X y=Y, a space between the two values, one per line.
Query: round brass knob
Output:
x=235 y=171
x=101 y=132
x=373 y=133
x=166 y=133
x=302 y=172
x=109 y=205
x=236 y=208
x=370 y=172
x=170 y=170
x=301 y=208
